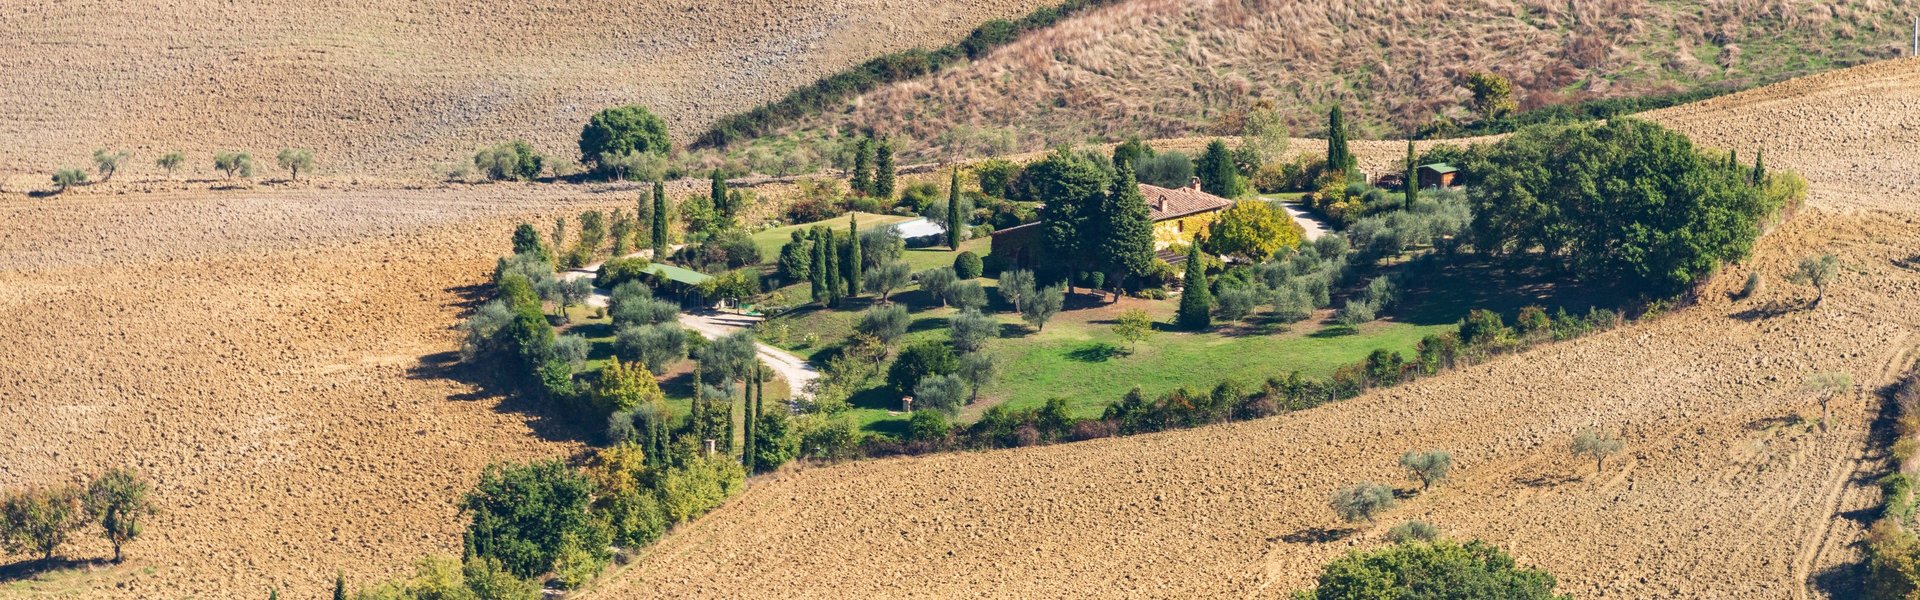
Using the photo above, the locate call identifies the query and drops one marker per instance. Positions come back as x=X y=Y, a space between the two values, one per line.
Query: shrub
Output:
x=1428 y=467
x=928 y=426
x=1362 y=501
x=1484 y=329
x=514 y=160
x=944 y=393
x=885 y=323
x=619 y=132
x=1752 y=285
x=295 y=160
x=1355 y=313
x=828 y=438
x=1413 y=531
x=1532 y=320
x=920 y=361
x=234 y=163
x=39 y=520
x=1437 y=569
x=1597 y=445
x=69 y=177
x=967 y=265
x=700 y=485
x=523 y=514
x=618 y=271
x=774 y=440
x=576 y=564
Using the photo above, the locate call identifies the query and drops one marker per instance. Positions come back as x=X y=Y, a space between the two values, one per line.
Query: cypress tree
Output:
x=746 y=449
x=953 y=211
x=818 y=277
x=697 y=422
x=1413 y=178
x=883 y=169
x=721 y=204
x=659 y=220
x=339 y=586
x=832 y=267
x=1759 y=167
x=1733 y=159
x=1196 y=301
x=727 y=440
x=863 y=167
x=1338 y=157
x=1125 y=229
x=853 y=254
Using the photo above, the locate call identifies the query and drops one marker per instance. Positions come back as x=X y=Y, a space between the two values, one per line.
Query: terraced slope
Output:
x=1723 y=490
x=389 y=88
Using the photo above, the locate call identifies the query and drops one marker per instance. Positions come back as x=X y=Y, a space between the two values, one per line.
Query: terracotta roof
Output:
x=1175 y=203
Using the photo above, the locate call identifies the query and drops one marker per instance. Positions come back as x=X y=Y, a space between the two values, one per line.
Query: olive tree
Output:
x=295 y=160
x=884 y=323
x=1828 y=386
x=971 y=329
x=118 y=499
x=38 y=521
x=108 y=162
x=69 y=177
x=886 y=278
x=171 y=161
x=945 y=393
x=234 y=163
x=1428 y=467
x=937 y=282
x=659 y=346
x=1043 y=306
x=574 y=291
x=1597 y=445
x=1360 y=502
x=1817 y=272
x=1017 y=287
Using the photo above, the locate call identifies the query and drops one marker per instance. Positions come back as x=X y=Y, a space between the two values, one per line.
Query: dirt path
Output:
x=715 y=324
x=1313 y=227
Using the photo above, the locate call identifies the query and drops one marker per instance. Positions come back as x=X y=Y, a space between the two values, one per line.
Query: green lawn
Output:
x=770 y=241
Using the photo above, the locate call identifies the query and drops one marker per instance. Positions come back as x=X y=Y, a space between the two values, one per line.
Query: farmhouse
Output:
x=1179 y=215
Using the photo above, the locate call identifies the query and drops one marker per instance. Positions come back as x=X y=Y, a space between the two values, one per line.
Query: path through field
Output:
x=1726 y=488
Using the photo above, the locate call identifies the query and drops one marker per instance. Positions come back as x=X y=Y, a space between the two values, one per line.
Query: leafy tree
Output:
x=954 y=220
x=978 y=370
x=1043 y=306
x=572 y=292
x=944 y=393
x=522 y=514
x=1266 y=135
x=1070 y=185
x=625 y=387
x=1597 y=445
x=700 y=485
x=1253 y=230
x=967 y=295
x=1171 y=170
x=1492 y=96
x=1483 y=328
x=295 y=160
x=234 y=163
x=1817 y=272
x=659 y=220
x=1413 y=531
x=1218 y=176
x=67 y=178
x=796 y=257
x=1133 y=326
x=881 y=245
x=1361 y=501
x=994 y=176
x=118 y=499
x=884 y=279
x=38 y=520
x=862 y=183
x=1125 y=227
x=852 y=263
x=1828 y=386
x=514 y=160
x=108 y=162
x=967 y=265
x=883 y=169
x=1130 y=152
x=1196 y=301
x=918 y=362
x=622 y=130
x=1339 y=157
x=1428 y=467
x=488 y=580
x=885 y=323
x=1018 y=288
x=1431 y=570
x=938 y=282
x=774 y=440
x=970 y=330
x=526 y=242
x=171 y=161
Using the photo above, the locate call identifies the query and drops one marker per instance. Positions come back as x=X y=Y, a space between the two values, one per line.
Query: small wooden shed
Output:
x=1437 y=175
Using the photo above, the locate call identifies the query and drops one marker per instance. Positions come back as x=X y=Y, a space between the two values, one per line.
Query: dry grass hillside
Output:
x=1724 y=489
x=390 y=88
x=1165 y=68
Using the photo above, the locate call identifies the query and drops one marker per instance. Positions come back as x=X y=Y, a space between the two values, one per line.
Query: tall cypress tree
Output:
x=697 y=421
x=1413 y=179
x=339 y=586
x=853 y=255
x=659 y=220
x=863 y=167
x=1339 y=158
x=1759 y=167
x=717 y=187
x=818 y=278
x=1126 y=230
x=832 y=268
x=746 y=448
x=883 y=169
x=1196 y=301
x=953 y=211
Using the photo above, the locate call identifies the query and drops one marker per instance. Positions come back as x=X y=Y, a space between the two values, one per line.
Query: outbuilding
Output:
x=1437 y=175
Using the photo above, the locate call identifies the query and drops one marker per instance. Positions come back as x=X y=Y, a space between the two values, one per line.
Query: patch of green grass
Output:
x=769 y=241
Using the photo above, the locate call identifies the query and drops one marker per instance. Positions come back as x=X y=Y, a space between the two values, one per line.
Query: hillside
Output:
x=1718 y=494
x=1165 y=68
x=390 y=88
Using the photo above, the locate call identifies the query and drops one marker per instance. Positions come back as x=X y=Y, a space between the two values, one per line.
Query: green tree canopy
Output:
x=622 y=130
x=1441 y=569
x=1218 y=174
x=521 y=514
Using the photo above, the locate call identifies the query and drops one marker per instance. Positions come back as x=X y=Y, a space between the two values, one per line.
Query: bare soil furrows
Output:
x=1727 y=487
x=273 y=361
x=393 y=87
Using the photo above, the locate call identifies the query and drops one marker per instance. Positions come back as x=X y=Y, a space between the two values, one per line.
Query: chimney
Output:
x=1194 y=184
x=906 y=404
x=709 y=447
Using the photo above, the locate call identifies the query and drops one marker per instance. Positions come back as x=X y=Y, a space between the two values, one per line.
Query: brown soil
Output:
x=391 y=88
x=1723 y=490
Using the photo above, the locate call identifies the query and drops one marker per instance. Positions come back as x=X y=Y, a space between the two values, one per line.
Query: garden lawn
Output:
x=770 y=241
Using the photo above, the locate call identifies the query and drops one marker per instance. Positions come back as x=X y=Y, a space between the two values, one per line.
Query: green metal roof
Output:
x=1440 y=167
x=673 y=273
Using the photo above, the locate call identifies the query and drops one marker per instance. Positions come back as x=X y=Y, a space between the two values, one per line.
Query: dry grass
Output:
x=1166 y=68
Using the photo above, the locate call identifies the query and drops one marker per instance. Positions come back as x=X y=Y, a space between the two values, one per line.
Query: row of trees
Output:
x=109 y=162
x=38 y=521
